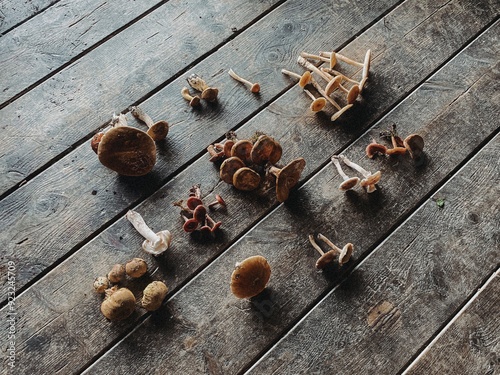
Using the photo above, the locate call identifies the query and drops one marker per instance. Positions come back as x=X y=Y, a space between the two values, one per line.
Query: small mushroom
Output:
x=119 y=304
x=250 y=277
x=366 y=68
x=157 y=130
x=117 y=273
x=287 y=177
x=229 y=168
x=218 y=201
x=153 y=295
x=343 y=254
x=214 y=154
x=242 y=150
x=136 y=267
x=193 y=100
x=370 y=180
x=254 y=87
x=266 y=149
x=325 y=257
x=200 y=213
x=397 y=142
x=334 y=57
x=304 y=79
x=314 y=57
x=192 y=203
x=414 y=143
x=154 y=243
x=207 y=93
x=96 y=139
x=374 y=148
x=126 y=150
x=339 y=74
x=324 y=94
x=246 y=179
x=335 y=83
x=306 y=64
x=318 y=103
x=348 y=183
x=215 y=225
x=228 y=146
x=190 y=225
x=101 y=283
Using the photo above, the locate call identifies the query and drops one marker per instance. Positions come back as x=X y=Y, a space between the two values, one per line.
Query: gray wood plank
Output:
x=200 y=325
x=13 y=12
x=50 y=215
x=395 y=300
x=75 y=102
x=470 y=345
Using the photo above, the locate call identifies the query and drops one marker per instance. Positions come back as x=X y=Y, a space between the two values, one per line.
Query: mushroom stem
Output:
x=338 y=56
x=140 y=225
x=324 y=94
x=119 y=120
x=318 y=103
x=291 y=74
x=314 y=57
x=141 y=115
x=195 y=191
x=341 y=111
x=306 y=64
x=315 y=245
x=274 y=170
x=183 y=208
x=304 y=79
x=329 y=243
x=338 y=74
x=254 y=87
x=335 y=160
x=355 y=166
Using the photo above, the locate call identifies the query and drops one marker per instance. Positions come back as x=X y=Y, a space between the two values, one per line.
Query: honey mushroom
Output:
x=101 y=283
x=304 y=79
x=207 y=93
x=333 y=56
x=119 y=304
x=157 y=130
x=335 y=83
x=126 y=150
x=318 y=103
x=250 y=277
x=136 y=267
x=154 y=243
x=306 y=64
x=343 y=254
x=153 y=295
x=349 y=182
x=287 y=177
x=254 y=87
x=336 y=73
x=323 y=93
x=229 y=168
x=117 y=273
x=265 y=150
x=246 y=179
x=193 y=100
x=370 y=180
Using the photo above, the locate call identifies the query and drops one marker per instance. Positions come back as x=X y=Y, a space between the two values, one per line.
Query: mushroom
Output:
x=304 y=79
x=101 y=283
x=192 y=203
x=218 y=201
x=242 y=150
x=335 y=83
x=136 y=267
x=343 y=254
x=339 y=74
x=215 y=225
x=190 y=225
x=318 y=103
x=370 y=180
x=348 y=183
x=228 y=145
x=214 y=154
x=246 y=179
x=154 y=244
x=397 y=142
x=200 y=213
x=287 y=177
x=193 y=100
x=126 y=150
x=324 y=94
x=266 y=149
x=207 y=93
x=157 y=130
x=250 y=277
x=314 y=57
x=229 y=168
x=153 y=295
x=374 y=148
x=119 y=304
x=117 y=273
x=254 y=87
x=96 y=139
x=195 y=191
x=414 y=143
x=365 y=65
x=306 y=64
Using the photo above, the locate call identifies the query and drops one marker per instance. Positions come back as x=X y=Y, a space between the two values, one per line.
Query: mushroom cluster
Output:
x=348 y=88
x=413 y=144
x=342 y=255
x=246 y=163
x=195 y=213
x=369 y=181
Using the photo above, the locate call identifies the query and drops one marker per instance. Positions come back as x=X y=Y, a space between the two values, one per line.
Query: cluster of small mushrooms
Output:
x=119 y=303
x=246 y=163
x=333 y=78
x=413 y=144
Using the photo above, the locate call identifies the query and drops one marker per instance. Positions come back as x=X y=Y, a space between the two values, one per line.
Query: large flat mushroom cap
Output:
x=250 y=277
x=325 y=259
x=265 y=149
x=372 y=179
x=127 y=151
x=333 y=85
x=210 y=94
x=246 y=179
x=158 y=131
x=229 y=168
x=288 y=178
x=318 y=104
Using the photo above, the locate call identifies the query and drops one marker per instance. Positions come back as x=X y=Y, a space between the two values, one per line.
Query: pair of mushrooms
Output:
x=126 y=150
x=414 y=144
x=343 y=254
x=369 y=181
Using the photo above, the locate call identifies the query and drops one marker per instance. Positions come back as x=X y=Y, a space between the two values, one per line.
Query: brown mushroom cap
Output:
x=229 y=168
x=227 y=148
x=242 y=150
x=153 y=295
x=119 y=304
x=158 y=131
x=372 y=179
x=333 y=84
x=117 y=273
x=305 y=79
x=325 y=259
x=250 y=277
x=318 y=104
x=246 y=179
x=210 y=94
x=346 y=253
x=288 y=178
x=352 y=95
x=265 y=149
x=349 y=184
x=414 y=143
x=136 y=267
x=127 y=151
x=374 y=148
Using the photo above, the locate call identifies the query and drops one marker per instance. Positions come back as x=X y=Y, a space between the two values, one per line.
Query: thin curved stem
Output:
x=355 y=166
x=335 y=160
x=315 y=245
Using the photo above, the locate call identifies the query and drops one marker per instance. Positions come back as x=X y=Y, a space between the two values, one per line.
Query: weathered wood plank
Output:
x=41 y=218
x=206 y=321
x=13 y=12
x=76 y=101
x=470 y=345
x=395 y=300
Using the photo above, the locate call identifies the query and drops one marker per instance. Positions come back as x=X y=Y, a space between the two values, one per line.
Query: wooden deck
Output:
x=421 y=294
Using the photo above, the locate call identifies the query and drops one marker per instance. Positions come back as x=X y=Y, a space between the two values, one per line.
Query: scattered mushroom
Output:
x=96 y=139
x=370 y=180
x=304 y=79
x=414 y=143
x=339 y=74
x=250 y=277
x=335 y=83
x=154 y=243
x=336 y=115
x=365 y=65
x=119 y=304
x=157 y=130
x=287 y=177
x=306 y=64
x=190 y=225
x=117 y=273
x=325 y=95
x=136 y=267
x=215 y=225
x=325 y=257
x=343 y=254
x=193 y=100
x=254 y=87
x=246 y=179
x=126 y=150
x=318 y=103
x=207 y=93
x=153 y=295
x=218 y=201
x=101 y=283
x=374 y=148
x=229 y=168
x=266 y=149
x=349 y=182
x=397 y=142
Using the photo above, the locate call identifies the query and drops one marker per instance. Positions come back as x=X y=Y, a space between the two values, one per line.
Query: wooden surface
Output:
x=408 y=301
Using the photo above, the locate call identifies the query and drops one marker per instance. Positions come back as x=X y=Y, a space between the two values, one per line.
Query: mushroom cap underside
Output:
x=158 y=131
x=325 y=259
x=288 y=178
x=371 y=179
x=349 y=184
x=346 y=253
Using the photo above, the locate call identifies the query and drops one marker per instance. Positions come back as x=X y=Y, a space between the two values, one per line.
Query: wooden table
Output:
x=421 y=292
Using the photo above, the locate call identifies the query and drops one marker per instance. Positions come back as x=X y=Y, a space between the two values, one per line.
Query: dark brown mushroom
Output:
x=287 y=177
x=207 y=93
x=229 y=168
x=242 y=150
x=266 y=149
x=250 y=277
x=246 y=179
x=414 y=143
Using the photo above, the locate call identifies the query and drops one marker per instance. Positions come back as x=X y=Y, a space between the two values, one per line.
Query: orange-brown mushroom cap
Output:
x=265 y=149
x=250 y=277
x=346 y=253
x=210 y=94
x=288 y=178
x=158 y=131
x=305 y=79
x=352 y=95
x=127 y=151
x=349 y=184
x=246 y=179
x=318 y=104
x=414 y=143
x=242 y=150
x=333 y=84
x=229 y=168
x=227 y=148
x=374 y=148
x=325 y=259
x=372 y=179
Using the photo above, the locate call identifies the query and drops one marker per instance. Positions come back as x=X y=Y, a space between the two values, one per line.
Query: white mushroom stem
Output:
x=330 y=243
x=185 y=94
x=337 y=73
x=309 y=93
x=340 y=57
x=140 y=225
x=335 y=160
x=315 y=245
x=323 y=93
x=314 y=57
x=341 y=111
x=355 y=166
x=291 y=74
x=240 y=79
x=141 y=115
x=306 y=64
x=119 y=120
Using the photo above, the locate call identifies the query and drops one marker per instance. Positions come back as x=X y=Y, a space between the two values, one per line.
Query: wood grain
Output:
x=13 y=12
